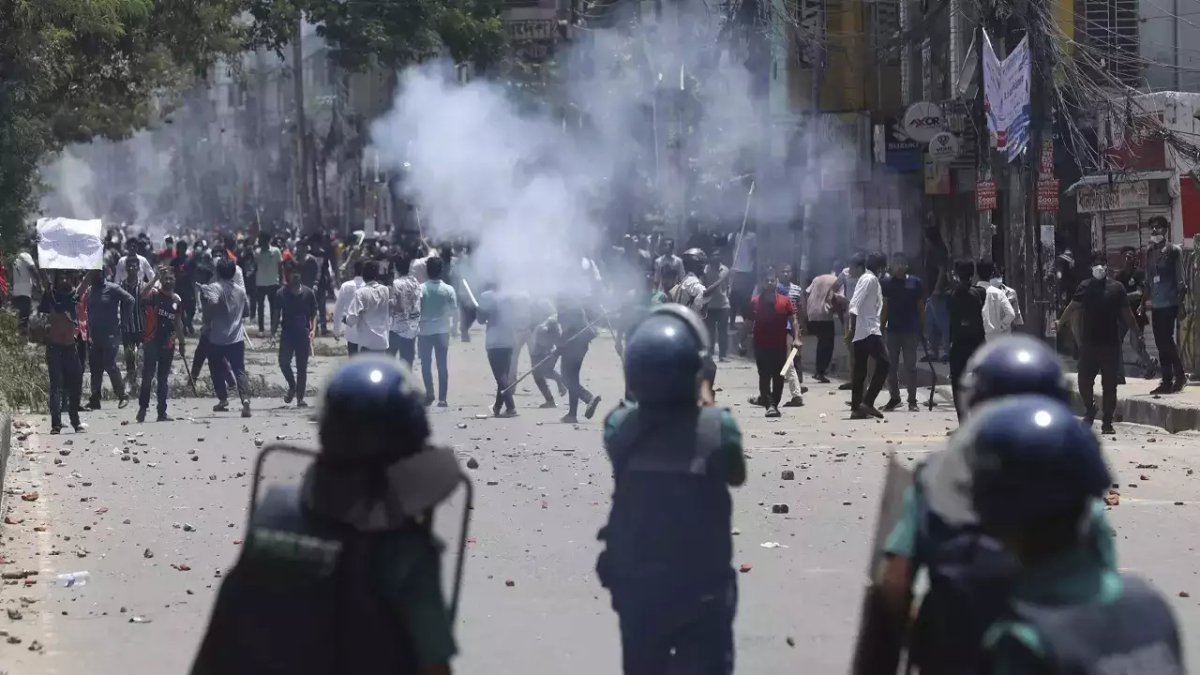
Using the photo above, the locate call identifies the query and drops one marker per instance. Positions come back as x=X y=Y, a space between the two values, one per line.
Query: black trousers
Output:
x=770 y=382
x=823 y=330
x=545 y=371
x=1162 y=321
x=188 y=304
x=958 y=356
x=66 y=381
x=156 y=365
x=661 y=634
x=500 y=358
x=1105 y=361
x=717 y=322
x=299 y=350
x=572 y=365
x=103 y=358
x=870 y=347
x=261 y=295
x=24 y=305
x=405 y=347
x=466 y=318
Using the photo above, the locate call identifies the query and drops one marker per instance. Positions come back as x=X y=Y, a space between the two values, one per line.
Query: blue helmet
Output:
x=1030 y=459
x=1011 y=365
x=372 y=395
x=664 y=355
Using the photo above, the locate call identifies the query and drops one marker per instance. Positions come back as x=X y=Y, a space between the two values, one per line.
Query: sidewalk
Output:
x=1173 y=412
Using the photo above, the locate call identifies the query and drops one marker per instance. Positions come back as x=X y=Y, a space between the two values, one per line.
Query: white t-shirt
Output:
x=371 y=314
x=22 y=275
x=691 y=292
x=344 y=295
x=147 y=271
x=867 y=305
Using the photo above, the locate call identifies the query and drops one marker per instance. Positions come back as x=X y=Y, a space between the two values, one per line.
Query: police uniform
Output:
x=668 y=548
x=341 y=574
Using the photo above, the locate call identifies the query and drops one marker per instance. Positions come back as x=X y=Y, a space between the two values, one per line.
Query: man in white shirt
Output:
x=847 y=283
x=998 y=312
x=344 y=295
x=145 y=269
x=866 y=307
x=690 y=292
x=24 y=272
x=370 y=311
x=667 y=258
x=745 y=253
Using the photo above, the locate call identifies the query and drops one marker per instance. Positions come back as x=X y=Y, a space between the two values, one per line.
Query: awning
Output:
x=1123 y=177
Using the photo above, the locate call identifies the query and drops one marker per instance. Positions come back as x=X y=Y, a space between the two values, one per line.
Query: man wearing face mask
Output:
x=1164 y=263
x=1095 y=314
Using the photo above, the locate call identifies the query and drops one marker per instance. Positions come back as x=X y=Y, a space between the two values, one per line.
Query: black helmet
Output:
x=1014 y=364
x=694 y=260
x=1030 y=459
x=664 y=355
x=372 y=395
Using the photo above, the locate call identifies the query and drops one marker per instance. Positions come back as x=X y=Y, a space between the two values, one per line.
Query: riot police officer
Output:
x=668 y=555
x=341 y=573
x=1035 y=475
x=938 y=530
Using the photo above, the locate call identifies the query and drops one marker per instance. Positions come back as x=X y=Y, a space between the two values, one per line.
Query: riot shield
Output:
x=895 y=481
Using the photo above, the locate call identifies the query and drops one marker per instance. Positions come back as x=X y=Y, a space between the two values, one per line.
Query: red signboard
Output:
x=985 y=195
x=1047 y=163
x=1047 y=195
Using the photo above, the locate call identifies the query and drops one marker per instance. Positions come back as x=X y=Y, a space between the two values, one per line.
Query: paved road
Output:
x=543 y=489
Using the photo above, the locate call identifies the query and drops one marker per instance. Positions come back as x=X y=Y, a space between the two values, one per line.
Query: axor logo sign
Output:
x=923 y=121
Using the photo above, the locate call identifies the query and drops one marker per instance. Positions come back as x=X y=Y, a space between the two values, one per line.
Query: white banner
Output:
x=1006 y=96
x=1016 y=99
x=67 y=244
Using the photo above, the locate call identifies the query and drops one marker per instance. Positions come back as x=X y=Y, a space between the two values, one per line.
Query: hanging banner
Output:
x=1006 y=97
x=985 y=195
x=993 y=92
x=1047 y=195
x=1016 y=99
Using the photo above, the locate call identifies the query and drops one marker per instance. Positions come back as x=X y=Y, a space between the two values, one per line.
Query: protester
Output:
x=819 y=308
x=716 y=310
x=542 y=352
x=164 y=325
x=345 y=295
x=795 y=371
x=141 y=273
x=267 y=282
x=24 y=279
x=937 y=321
x=61 y=305
x=967 y=333
x=902 y=293
x=578 y=329
x=226 y=306
x=185 y=287
x=769 y=317
x=406 y=312
x=497 y=310
x=998 y=312
x=297 y=306
x=846 y=285
x=370 y=311
x=133 y=321
x=745 y=255
x=102 y=302
x=866 y=307
x=1133 y=280
x=1164 y=262
x=438 y=306
x=667 y=258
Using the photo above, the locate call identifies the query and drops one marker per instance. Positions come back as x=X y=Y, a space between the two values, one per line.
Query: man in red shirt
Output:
x=770 y=312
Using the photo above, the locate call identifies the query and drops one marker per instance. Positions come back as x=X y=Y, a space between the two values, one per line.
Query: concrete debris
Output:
x=788 y=475
x=745 y=567
x=779 y=508
x=472 y=463
x=1113 y=498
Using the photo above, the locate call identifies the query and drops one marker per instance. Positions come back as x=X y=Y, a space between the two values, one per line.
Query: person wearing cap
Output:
x=668 y=550
x=938 y=531
x=342 y=572
x=1036 y=475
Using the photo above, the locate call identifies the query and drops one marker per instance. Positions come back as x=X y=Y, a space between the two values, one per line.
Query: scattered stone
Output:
x=1113 y=498
x=258 y=442
x=1147 y=466
x=1152 y=440
x=30 y=497
x=22 y=574
x=14 y=640
x=35 y=646
x=139 y=619
x=493 y=482
x=791 y=641
x=14 y=614
x=1178 y=503
x=1184 y=594
x=510 y=583
x=1143 y=477
x=779 y=508
x=195 y=458
x=462 y=425
x=735 y=532
x=64 y=453
x=182 y=567
x=472 y=463
x=788 y=475
x=745 y=567
x=188 y=527
x=845 y=503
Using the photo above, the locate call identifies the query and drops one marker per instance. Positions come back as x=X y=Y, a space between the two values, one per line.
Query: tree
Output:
x=392 y=34
x=73 y=70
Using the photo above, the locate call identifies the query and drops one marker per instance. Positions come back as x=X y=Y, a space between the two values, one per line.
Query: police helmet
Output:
x=371 y=398
x=1014 y=364
x=1031 y=459
x=694 y=260
x=664 y=355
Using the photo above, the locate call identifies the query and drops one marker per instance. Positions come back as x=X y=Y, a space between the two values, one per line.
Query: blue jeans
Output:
x=432 y=346
x=224 y=360
x=937 y=324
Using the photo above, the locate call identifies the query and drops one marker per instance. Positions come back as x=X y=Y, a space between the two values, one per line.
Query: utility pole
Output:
x=302 y=171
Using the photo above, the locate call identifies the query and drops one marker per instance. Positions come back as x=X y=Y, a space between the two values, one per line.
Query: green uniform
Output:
x=1077 y=577
x=411 y=580
x=902 y=540
x=731 y=441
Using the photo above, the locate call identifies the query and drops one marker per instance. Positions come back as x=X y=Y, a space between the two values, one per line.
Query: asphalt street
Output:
x=155 y=512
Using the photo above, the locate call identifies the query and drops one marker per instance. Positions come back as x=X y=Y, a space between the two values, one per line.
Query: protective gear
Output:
x=664 y=357
x=1099 y=272
x=694 y=261
x=1014 y=364
x=1138 y=629
x=1030 y=459
x=376 y=395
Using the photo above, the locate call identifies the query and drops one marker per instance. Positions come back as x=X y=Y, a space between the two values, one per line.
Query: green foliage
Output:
x=72 y=70
x=393 y=34
x=23 y=379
